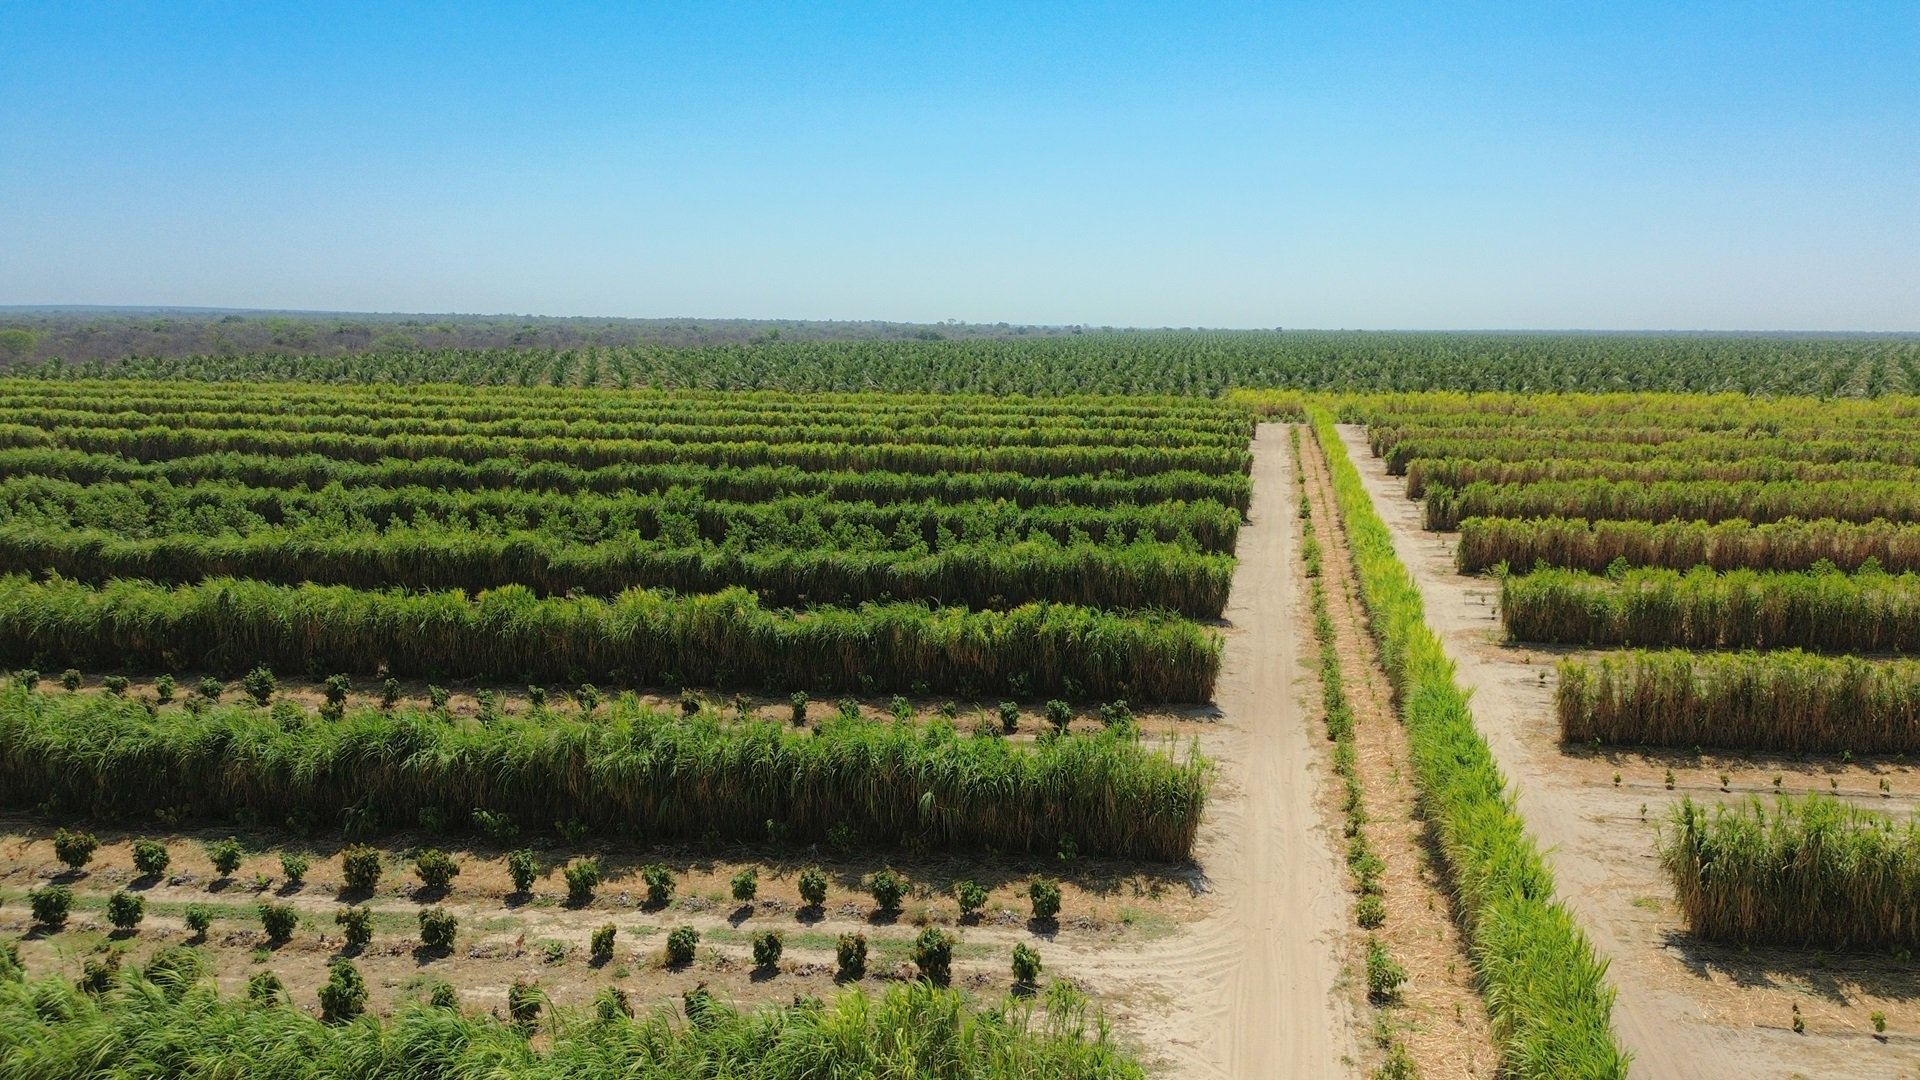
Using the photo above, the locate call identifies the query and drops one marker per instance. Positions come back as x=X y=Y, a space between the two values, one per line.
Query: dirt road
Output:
x=1598 y=838
x=1268 y=953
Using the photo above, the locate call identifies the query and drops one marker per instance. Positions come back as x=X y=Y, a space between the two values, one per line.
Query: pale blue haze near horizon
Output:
x=1393 y=165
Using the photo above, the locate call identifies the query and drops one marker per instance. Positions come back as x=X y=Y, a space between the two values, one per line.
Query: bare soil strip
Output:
x=1686 y=1010
x=1441 y=1017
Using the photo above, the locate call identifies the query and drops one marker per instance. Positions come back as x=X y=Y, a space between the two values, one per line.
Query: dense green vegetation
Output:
x=622 y=768
x=1546 y=990
x=1821 y=611
x=1189 y=363
x=1524 y=544
x=162 y=1024
x=1811 y=871
x=1785 y=701
x=971 y=545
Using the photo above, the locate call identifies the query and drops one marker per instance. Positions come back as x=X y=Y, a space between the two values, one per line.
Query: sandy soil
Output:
x=1686 y=1009
x=1264 y=967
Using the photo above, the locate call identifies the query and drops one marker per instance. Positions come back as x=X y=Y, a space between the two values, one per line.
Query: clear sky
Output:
x=1539 y=165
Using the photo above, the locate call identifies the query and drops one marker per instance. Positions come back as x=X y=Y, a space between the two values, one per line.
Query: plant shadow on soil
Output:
x=1836 y=977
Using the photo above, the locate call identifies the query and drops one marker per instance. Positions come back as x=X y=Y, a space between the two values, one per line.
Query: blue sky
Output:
x=1540 y=165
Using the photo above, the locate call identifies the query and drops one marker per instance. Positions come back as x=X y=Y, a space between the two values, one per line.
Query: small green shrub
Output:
x=971 y=896
x=356 y=923
x=524 y=1000
x=746 y=885
x=1026 y=964
x=1384 y=974
x=336 y=688
x=799 y=703
x=583 y=876
x=115 y=684
x=265 y=988
x=1009 y=717
x=125 y=910
x=524 y=868
x=435 y=868
x=1044 y=894
x=767 y=946
x=437 y=928
x=1059 y=714
x=345 y=994
x=681 y=941
x=659 y=881
x=99 y=974
x=933 y=955
x=75 y=848
x=150 y=857
x=360 y=865
x=163 y=688
x=611 y=1004
x=813 y=886
x=389 y=692
x=70 y=680
x=600 y=948
x=1370 y=912
x=887 y=889
x=211 y=688
x=443 y=996
x=225 y=856
x=278 y=920
x=259 y=685
x=852 y=956
x=294 y=866
x=199 y=917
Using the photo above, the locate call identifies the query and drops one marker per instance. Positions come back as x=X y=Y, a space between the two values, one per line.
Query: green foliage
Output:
x=611 y=1004
x=294 y=866
x=1059 y=714
x=114 y=684
x=437 y=929
x=356 y=925
x=887 y=889
x=443 y=996
x=583 y=876
x=360 y=867
x=746 y=885
x=767 y=946
x=813 y=886
x=1807 y=871
x=1026 y=964
x=601 y=944
x=74 y=847
x=659 y=881
x=125 y=909
x=175 y=969
x=971 y=896
x=150 y=858
x=279 y=921
x=524 y=1001
x=681 y=942
x=633 y=769
x=1546 y=990
x=850 y=956
x=933 y=955
x=265 y=988
x=99 y=973
x=1384 y=973
x=198 y=918
x=344 y=995
x=524 y=867
x=163 y=688
x=260 y=684
x=1044 y=894
x=435 y=868
x=225 y=855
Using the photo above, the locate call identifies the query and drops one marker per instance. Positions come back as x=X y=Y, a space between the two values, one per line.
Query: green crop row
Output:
x=626 y=769
x=1710 y=501
x=1809 y=872
x=718 y=639
x=1524 y=544
x=169 y=1028
x=1779 y=701
x=753 y=483
x=1546 y=990
x=1701 y=609
x=1457 y=473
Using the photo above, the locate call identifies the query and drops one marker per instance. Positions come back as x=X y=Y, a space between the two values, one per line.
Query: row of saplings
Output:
x=361 y=867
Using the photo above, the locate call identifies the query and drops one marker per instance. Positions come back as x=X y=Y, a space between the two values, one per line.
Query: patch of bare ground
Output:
x=1686 y=1008
x=1440 y=1016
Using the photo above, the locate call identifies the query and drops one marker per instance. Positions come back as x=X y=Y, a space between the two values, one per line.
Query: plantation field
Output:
x=1664 y=604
